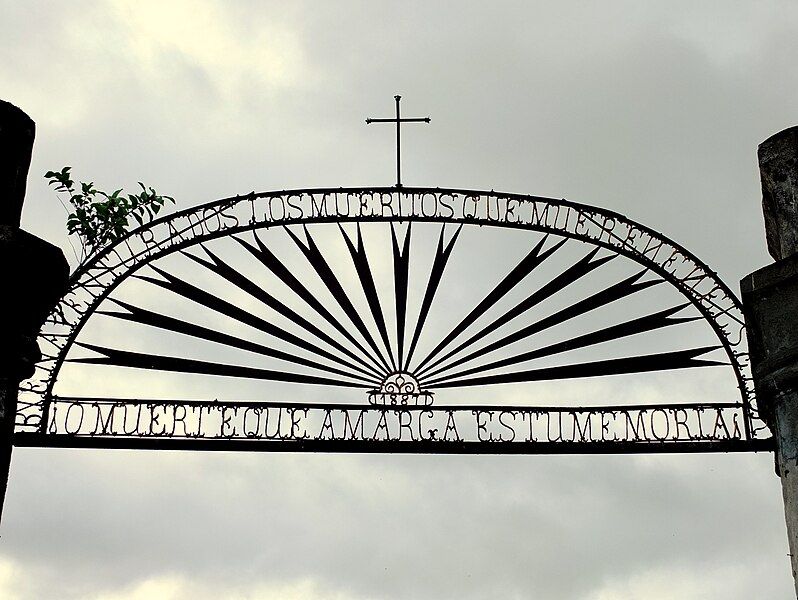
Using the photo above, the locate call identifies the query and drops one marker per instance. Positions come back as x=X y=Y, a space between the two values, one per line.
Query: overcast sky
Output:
x=652 y=109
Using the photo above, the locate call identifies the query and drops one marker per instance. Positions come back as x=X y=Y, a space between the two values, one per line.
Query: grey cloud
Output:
x=649 y=109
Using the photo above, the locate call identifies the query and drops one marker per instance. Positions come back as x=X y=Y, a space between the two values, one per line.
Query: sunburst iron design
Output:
x=351 y=356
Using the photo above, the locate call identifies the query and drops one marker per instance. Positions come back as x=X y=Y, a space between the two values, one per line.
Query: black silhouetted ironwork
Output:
x=398 y=119
x=378 y=352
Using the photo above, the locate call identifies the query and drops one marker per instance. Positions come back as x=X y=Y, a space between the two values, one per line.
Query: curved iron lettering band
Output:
x=354 y=357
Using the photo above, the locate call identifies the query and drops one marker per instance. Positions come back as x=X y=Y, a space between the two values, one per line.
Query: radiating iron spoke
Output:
x=622 y=289
x=651 y=322
x=401 y=268
x=438 y=265
x=153 y=319
x=570 y=275
x=512 y=279
x=325 y=273
x=269 y=260
x=227 y=272
x=202 y=297
x=665 y=361
x=361 y=262
x=153 y=362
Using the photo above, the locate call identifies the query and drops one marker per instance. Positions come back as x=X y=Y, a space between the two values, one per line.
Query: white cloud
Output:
x=203 y=33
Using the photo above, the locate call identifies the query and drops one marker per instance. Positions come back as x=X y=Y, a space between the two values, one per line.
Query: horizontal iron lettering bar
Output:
x=272 y=422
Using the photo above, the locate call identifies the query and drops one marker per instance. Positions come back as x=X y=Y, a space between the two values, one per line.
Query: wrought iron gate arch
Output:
x=99 y=276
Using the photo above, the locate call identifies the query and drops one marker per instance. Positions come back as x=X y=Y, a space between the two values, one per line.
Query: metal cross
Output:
x=398 y=120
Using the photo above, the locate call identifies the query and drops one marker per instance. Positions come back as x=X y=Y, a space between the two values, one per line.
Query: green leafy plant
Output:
x=98 y=218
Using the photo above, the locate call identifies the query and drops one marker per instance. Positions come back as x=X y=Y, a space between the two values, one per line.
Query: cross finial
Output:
x=398 y=120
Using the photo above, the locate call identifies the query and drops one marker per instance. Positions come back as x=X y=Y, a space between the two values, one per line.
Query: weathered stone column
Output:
x=33 y=276
x=770 y=302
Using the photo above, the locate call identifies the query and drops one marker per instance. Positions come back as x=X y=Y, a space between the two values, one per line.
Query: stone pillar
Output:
x=770 y=303
x=33 y=276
